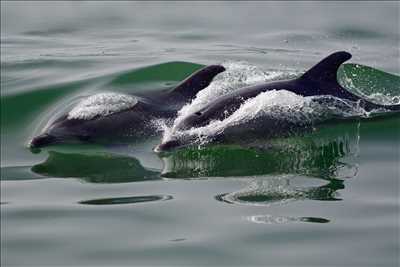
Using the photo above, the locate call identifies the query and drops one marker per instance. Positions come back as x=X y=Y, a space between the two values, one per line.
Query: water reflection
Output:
x=126 y=200
x=309 y=167
x=94 y=168
x=278 y=190
x=326 y=153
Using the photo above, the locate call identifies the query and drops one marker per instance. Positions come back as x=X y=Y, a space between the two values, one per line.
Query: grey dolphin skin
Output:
x=134 y=121
x=319 y=80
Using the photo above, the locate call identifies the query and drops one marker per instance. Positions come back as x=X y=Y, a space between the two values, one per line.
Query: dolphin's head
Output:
x=168 y=146
x=194 y=120
x=177 y=143
x=47 y=139
x=60 y=131
x=197 y=119
x=42 y=140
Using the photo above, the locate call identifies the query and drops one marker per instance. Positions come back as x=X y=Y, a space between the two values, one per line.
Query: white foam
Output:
x=280 y=104
x=385 y=99
x=102 y=104
x=238 y=74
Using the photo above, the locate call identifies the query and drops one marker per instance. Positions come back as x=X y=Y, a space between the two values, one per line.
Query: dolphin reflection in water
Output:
x=292 y=169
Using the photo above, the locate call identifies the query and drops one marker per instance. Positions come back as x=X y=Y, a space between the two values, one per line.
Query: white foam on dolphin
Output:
x=238 y=74
x=102 y=104
x=294 y=108
x=280 y=104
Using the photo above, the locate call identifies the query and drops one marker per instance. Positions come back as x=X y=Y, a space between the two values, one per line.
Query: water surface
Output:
x=329 y=198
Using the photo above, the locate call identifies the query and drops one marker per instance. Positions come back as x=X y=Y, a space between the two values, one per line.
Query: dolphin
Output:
x=320 y=80
x=126 y=115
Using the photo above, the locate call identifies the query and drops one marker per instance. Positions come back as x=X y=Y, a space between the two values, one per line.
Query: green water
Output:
x=327 y=198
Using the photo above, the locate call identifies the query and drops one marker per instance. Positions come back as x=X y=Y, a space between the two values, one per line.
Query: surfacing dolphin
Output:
x=320 y=80
x=110 y=115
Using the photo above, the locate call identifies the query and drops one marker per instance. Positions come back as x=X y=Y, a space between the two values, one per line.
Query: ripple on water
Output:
x=279 y=190
x=126 y=200
x=271 y=219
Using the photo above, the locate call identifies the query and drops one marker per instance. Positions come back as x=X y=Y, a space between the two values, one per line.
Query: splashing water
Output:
x=382 y=98
x=363 y=81
x=281 y=105
x=102 y=104
x=265 y=103
x=238 y=74
x=275 y=190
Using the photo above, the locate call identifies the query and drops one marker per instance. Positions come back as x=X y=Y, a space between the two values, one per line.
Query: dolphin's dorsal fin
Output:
x=198 y=81
x=326 y=70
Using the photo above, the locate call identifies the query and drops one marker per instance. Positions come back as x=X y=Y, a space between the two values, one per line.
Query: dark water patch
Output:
x=314 y=220
x=260 y=198
x=171 y=71
x=94 y=168
x=19 y=108
x=178 y=240
x=51 y=31
x=37 y=74
x=358 y=33
x=196 y=36
x=45 y=63
x=320 y=154
x=126 y=200
x=368 y=128
x=271 y=219
x=278 y=190
x=367 y=81
x=4 y=203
